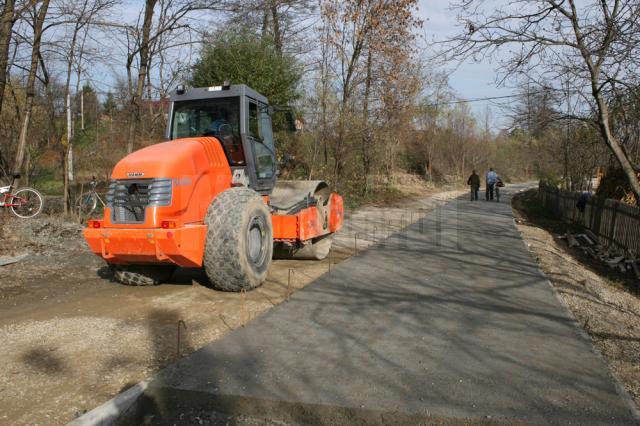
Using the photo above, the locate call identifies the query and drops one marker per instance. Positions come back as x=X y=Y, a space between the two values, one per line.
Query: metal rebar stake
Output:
x=243 y=309
x=289 y=283
x=180 y=322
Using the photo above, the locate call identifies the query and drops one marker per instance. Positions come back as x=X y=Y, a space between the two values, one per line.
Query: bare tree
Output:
x=6 y=24
x=288 y=22
x=361 y=32
x=78 y=16
x=595 y=44
x=175 y=15
x=140 y=51
x=38 y=15
x=11 y=12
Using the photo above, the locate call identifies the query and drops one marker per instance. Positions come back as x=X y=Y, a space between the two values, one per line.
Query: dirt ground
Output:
x=73 y=338
x=605 y=304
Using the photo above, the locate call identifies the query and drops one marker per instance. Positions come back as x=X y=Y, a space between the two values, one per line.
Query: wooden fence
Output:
x=614 y=223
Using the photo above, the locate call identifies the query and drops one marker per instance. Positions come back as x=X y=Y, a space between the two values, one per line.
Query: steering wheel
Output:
x=219 y=128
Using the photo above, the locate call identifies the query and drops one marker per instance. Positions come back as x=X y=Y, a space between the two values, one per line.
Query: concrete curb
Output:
x=111 y=411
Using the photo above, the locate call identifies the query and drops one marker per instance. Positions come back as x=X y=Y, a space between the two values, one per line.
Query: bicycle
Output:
x=87 y=202
x=25 y=203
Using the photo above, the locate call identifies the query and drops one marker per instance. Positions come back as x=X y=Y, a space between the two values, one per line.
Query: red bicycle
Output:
x=24 y=203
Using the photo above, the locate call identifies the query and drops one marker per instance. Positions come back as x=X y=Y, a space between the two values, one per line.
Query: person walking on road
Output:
x=491 y=179
x=474 y=183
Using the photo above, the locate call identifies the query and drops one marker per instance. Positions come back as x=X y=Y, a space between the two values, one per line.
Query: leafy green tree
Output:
x=110 y=105
x=242 y=57
x=86 y=108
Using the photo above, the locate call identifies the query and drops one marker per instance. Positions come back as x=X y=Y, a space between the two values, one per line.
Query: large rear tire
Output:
x=142 y=274
x=239 y=243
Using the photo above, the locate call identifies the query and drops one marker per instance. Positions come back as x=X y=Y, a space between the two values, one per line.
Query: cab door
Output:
x=262 y=173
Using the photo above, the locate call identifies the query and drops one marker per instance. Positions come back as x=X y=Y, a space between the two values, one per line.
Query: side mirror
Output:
x=286 y=119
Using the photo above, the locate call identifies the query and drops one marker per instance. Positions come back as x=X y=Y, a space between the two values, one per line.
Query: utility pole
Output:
x=566 y=144
x=529 y=137
x=69 y=136
x=82 y=109
x=97 y=122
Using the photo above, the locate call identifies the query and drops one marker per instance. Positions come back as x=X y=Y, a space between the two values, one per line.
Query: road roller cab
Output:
x=209 y=197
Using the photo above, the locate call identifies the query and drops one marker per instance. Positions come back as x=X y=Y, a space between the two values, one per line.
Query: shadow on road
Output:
x=445 y=321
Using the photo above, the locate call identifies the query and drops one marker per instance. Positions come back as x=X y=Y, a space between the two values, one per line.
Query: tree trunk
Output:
x=27 y=167
x=277 y=34
x=65 y=178
x=265 y=20
x=366 y=137
x=30 y=89
x=68 y=149
x=344 y=108
x=142 y=72
x=6 y=25
x=323 y=96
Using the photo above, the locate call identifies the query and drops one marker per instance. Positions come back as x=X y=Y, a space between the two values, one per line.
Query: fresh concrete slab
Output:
x=449 y=321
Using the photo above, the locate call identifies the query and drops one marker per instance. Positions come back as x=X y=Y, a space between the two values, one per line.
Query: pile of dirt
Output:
x=599 y=300
x=43 y=234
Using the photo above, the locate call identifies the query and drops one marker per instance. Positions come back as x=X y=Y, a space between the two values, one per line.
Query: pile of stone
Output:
x=614 y=257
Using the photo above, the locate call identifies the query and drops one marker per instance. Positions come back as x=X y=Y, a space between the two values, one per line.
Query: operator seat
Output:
x=231 y=144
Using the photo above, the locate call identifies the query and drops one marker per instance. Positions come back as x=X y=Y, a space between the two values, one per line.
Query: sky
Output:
x=469 y=80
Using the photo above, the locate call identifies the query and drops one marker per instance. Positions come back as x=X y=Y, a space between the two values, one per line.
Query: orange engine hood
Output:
x=197 y=167
x=173 y=159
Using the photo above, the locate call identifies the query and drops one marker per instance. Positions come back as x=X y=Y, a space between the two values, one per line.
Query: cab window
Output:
x=211 y=117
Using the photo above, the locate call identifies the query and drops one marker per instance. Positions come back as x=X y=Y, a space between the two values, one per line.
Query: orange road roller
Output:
x=209 y=197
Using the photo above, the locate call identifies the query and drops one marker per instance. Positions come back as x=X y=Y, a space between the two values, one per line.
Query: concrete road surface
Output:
x=449 y=322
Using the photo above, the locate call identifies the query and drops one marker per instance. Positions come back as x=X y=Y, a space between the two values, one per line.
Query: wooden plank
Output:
x=7 y=260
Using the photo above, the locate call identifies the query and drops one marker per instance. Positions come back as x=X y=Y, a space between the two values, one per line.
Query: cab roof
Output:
x=211 y=92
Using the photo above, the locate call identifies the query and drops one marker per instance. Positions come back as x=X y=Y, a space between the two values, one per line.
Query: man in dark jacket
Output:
x=474 y=183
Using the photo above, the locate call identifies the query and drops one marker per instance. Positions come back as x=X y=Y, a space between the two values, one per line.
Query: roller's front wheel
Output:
x=140 y=275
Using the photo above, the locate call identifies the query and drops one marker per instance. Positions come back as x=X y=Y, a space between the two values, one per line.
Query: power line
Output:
x=489 y=98
x=462 y=101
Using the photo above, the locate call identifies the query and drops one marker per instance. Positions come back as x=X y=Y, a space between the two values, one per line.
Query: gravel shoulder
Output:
x=602 y=305
x=74 y=338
